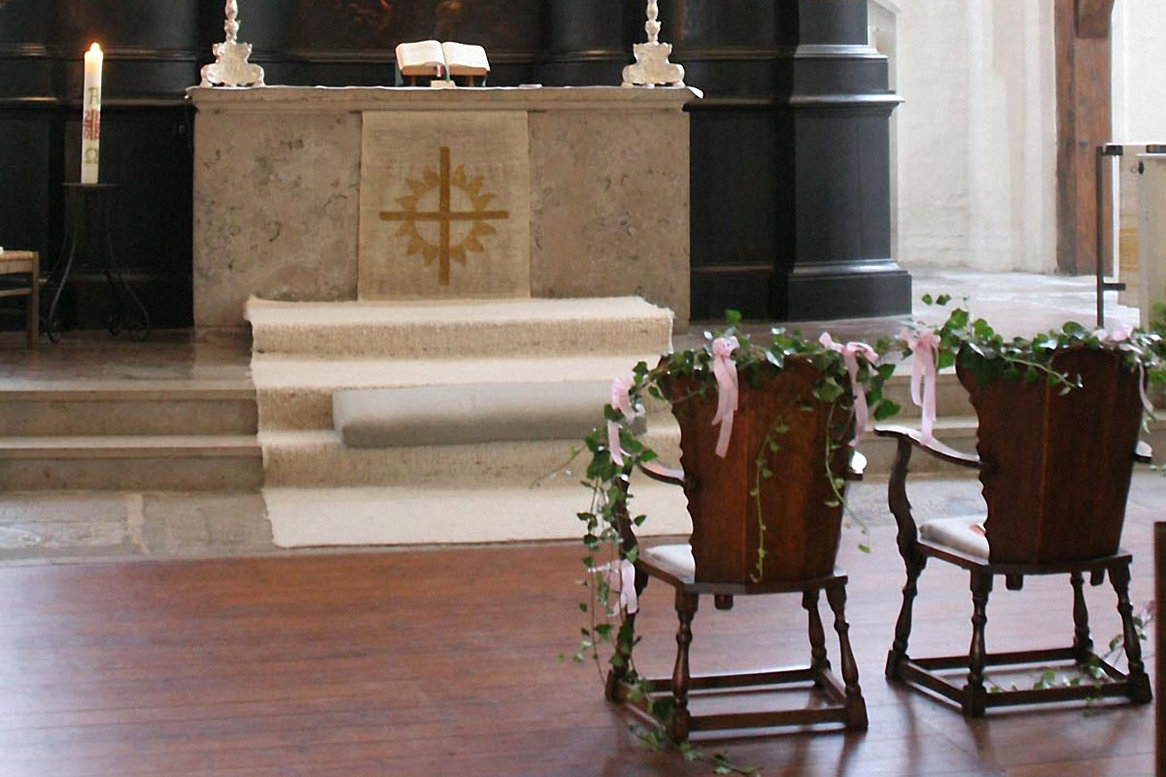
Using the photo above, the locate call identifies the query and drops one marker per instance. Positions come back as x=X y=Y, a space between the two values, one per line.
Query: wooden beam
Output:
x=1084 y=121
x=1093 y=18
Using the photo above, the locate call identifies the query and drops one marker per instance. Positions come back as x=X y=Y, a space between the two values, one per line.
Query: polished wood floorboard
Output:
x=447 y=662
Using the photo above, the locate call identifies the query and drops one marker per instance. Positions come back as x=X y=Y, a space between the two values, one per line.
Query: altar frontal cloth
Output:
x=444 y=205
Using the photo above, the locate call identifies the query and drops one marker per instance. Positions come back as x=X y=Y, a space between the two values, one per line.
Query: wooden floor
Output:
x=447 y=662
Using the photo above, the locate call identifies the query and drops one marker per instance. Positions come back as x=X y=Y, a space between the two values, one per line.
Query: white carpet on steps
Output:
x=303 y=517
x=476 y=328
x=320 y=493
x=296 y=393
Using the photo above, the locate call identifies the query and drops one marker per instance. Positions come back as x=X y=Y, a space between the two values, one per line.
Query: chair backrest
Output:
x=1057 y=467
x=799 y=505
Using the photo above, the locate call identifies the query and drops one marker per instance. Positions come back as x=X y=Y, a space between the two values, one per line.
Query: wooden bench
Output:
x=24 y=263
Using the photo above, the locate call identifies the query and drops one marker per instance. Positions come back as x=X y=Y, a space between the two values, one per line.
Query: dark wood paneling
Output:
x=766 y=86
x=25 y=21
x=587 y=42
x=124 y=23
x=718 y=24
x=150 y=58
x=143 y=152
x=25 y=156
x=499 y=25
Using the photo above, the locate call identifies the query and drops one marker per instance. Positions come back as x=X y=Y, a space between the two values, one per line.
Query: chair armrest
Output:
x=933 y=447
x=1143 y=453
x=657 y=471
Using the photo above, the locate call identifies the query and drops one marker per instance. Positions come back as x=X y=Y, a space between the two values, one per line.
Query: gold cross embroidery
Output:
x=445 y=180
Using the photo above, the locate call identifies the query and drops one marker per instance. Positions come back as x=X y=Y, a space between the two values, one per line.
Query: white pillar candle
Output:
x=91 y=116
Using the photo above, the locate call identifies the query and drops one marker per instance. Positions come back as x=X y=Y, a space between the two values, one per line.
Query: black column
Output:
x=839 y=264
x=790 y=159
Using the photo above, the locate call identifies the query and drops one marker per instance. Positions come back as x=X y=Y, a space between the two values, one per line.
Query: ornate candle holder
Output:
x=652 y=67
x=231 y=67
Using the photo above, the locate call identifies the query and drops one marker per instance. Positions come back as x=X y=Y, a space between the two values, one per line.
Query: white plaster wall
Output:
x=1139 y=71
x=976 y=134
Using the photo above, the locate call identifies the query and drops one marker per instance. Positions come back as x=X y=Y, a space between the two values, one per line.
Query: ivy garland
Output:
x=989 y=357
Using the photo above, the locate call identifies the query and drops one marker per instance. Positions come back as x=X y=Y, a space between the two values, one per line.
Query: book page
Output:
x=465 y=59
x=421 y=58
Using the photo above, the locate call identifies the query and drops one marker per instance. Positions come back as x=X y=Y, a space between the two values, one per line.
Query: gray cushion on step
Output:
x=466 y=414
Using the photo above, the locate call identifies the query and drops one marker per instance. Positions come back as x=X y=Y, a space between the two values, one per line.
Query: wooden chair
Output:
x=1055 y=471
x=802 y=519
x=25 y=263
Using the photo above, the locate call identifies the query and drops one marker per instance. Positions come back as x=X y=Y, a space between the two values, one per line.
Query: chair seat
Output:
x=676 y=560
x=963 y=533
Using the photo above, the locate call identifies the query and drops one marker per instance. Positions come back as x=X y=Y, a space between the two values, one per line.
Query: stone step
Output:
x=296 y=393
x=139 y=463
x=127 y=407
x=951 y=399
x=459 y=328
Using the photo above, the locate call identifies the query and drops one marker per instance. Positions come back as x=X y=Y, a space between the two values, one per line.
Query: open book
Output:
x=429 y=61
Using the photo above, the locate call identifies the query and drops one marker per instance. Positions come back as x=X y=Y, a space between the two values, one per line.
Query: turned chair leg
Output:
x=819 y=661
x=1139 y=682
x=898 y=650
x=1082 y=642
x=686 y=605
x=975 y=695
x=855 y=704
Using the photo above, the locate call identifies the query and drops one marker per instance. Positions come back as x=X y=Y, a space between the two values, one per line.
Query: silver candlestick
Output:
x=231 y=67
x=652 y=67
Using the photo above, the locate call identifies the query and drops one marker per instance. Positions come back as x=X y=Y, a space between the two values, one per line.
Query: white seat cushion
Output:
x=965 y=534
x=677 y=560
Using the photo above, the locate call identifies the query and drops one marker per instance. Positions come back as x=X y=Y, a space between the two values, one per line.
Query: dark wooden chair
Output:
x=802 y=524
x=1055 y=471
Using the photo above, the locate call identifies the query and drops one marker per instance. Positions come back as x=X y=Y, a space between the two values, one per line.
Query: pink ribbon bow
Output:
x=924 y=347
x=728 y=393
x=620 y=400
x=1121 y=333
x=850 y=353
x=621 y=577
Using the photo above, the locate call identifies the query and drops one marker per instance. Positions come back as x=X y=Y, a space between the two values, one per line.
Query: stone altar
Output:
x=277 y=189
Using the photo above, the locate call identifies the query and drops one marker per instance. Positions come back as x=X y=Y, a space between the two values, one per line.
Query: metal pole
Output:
x=1103 y=154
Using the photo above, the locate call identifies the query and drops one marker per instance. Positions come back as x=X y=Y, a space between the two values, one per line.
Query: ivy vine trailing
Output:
x=844 y=369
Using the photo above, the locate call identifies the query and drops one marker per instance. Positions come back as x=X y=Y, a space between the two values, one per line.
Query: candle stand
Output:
x=89 y=211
